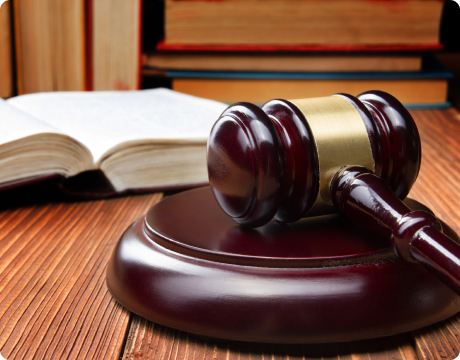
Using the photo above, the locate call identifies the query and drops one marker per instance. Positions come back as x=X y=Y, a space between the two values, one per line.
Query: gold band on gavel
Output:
x=340 y=137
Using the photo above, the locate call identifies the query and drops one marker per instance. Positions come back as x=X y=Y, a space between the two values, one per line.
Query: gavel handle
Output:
x=416 y=236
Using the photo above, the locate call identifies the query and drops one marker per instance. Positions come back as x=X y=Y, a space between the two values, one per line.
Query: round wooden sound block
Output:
x=188 y=266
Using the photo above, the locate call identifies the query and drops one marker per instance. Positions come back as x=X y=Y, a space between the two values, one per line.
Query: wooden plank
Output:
x=440 y=341
x=147 y=340
x=437 y=185
x=54 y=303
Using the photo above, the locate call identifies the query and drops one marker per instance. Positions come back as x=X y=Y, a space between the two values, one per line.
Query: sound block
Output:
x=188 y=266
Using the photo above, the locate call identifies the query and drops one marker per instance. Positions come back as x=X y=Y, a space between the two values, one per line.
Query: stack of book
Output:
x=226 y=50
x=256 y=50
x=77 y=45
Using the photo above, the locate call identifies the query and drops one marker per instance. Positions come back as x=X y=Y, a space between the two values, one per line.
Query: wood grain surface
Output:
x=439 y=341
x=54 y=303
x=147 y=340
x=439 y=188
x=438 y=185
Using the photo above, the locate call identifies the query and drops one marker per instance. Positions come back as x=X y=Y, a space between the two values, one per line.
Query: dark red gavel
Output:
x=296 y=158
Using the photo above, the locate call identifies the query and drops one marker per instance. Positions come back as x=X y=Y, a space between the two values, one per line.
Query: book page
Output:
x=104 y=120
x=16 y=124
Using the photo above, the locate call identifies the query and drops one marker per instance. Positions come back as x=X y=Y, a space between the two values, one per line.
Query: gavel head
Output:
x=279 y=160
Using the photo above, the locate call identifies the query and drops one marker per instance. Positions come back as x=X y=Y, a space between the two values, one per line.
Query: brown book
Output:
x=50 y=45
x=77 y=45
x=281 y=62
x=114 y=37
x=6 y=66
x=408 y=91
x=293 y=22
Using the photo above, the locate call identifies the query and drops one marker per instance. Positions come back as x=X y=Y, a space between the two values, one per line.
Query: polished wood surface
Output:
x=58 y=331
x=318 y=280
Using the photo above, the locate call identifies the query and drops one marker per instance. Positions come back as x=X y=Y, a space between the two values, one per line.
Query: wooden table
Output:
x=54 y=303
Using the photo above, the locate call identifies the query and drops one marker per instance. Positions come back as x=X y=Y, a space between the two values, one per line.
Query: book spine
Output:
x=6 y=50
x=89 y=45
x=428 y=74
x=162 y=46
x=140 y=62
x=18 y=52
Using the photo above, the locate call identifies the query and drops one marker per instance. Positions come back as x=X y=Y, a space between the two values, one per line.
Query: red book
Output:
x=313 y=48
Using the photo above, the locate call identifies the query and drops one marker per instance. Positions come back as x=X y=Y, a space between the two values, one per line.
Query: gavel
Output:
x=357 y=155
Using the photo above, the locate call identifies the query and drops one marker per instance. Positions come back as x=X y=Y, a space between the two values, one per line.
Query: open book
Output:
x=138 y=139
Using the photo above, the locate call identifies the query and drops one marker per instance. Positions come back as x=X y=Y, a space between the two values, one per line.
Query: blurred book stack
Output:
x=256 y=50
x=77 y=45
x=226 y=50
